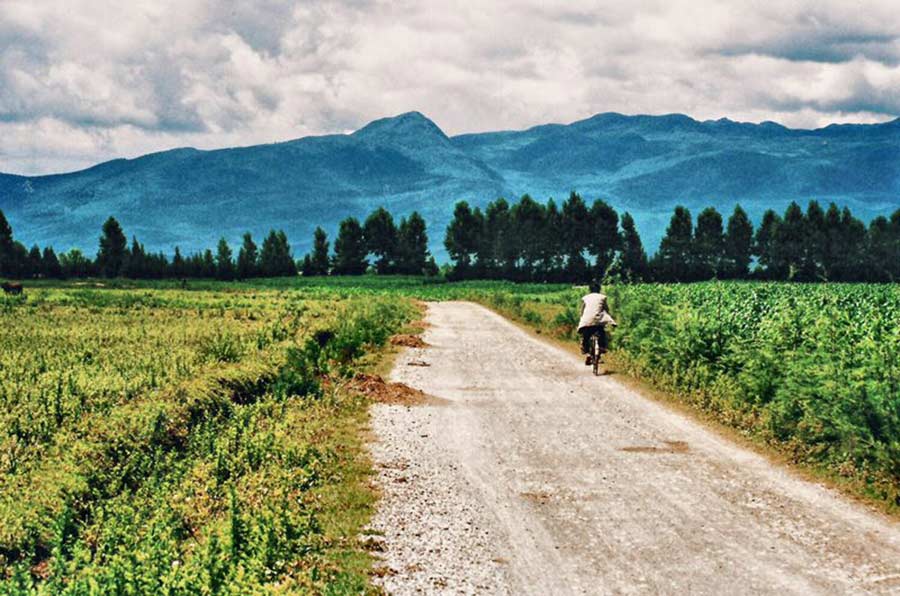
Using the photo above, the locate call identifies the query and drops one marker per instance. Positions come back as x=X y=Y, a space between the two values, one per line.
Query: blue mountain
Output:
x=643 y=164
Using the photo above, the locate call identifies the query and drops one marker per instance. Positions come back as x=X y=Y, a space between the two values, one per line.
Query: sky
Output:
x=84 y=81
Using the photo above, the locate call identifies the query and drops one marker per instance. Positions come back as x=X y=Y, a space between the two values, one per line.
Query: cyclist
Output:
x=594 y=318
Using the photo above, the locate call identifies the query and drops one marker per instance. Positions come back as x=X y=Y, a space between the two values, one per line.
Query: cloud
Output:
x=82 y=81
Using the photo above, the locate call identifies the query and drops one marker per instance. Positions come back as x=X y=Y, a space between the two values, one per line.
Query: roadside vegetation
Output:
x=161 y=441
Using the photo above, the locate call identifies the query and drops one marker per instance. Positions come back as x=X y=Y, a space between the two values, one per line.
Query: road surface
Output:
x=527 y=475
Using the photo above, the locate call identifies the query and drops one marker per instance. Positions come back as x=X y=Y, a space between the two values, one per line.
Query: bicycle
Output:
x=596 y=351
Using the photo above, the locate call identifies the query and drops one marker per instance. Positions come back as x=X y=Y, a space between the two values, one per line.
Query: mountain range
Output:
x=643 y=164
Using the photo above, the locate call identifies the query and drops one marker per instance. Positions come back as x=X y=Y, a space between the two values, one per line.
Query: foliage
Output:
x=157 y=440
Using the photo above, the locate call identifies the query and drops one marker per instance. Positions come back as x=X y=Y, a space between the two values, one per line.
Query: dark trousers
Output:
x=587 y=332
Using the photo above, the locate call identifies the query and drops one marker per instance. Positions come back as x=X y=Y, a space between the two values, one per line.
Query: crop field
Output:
x=161 y=441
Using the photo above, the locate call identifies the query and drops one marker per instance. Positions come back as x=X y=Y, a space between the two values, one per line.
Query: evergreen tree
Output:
x=248 y=258
x=7 y=249
x=634 y=259
x=551 y=242
x=790 y=243
x=412 y=251
x=381 y=239
x=709 y=244
x=816 y=242
x=462 y=238
x=50 y=267
x=674 y=261
x=178 y=266
x=275 y=259
x=75 y=264
x=135 y=265
x=604 y=236
x=208 y=265
x=771 y=263
x=306 y=266
x=528 y=220
x=577 y=240
x=738 y=245
x=113 y=249
x=34 y=264
x=831 y=241
x=881 y=256
x=350 y=249
x=851 y=256
x=496 y=250
x=319 y=260
x=224 y=262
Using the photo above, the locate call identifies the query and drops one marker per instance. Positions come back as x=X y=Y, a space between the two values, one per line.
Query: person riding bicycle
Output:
x=594 y=318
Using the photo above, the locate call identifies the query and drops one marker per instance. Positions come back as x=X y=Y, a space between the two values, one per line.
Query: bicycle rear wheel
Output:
x=595 y=354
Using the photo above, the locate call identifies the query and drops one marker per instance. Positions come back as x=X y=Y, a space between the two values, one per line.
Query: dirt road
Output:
x=531 y=476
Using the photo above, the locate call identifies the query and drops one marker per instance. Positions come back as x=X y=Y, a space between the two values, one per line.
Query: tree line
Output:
x=396 y=249
x=525 y=241
x=530 y=241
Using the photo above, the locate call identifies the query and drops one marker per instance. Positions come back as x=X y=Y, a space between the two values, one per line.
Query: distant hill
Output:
x=643 y=164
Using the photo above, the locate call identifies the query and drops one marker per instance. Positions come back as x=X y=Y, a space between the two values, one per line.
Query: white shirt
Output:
x=594 y=307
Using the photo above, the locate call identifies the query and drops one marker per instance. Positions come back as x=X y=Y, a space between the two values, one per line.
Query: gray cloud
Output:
x=86 y=80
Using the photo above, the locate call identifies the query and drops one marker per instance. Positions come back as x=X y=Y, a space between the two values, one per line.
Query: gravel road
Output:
x=527 y=475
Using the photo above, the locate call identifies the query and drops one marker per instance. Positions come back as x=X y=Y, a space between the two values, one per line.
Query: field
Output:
x=159 y=441
x=155 y=439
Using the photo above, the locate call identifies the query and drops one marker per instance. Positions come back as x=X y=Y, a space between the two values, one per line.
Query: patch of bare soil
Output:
x=387 y=393
x=408 y=341
x=671 y=447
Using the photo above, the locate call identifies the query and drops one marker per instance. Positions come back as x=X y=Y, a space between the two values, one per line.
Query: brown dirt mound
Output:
x=408 y=341
x=387 y=393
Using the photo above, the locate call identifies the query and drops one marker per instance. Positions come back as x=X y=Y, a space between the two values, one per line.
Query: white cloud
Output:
x=86 y=80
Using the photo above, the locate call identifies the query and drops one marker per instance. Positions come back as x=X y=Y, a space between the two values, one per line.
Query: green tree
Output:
x=113 y=249
x=738 y=248
x=577 y=238
x=50 y=266
x=248 y=258
x=816 y=241
x=381 y=239
x=765 y=248
x=881 y=254
x=412 y=250
x=135 y=265
x=350 y=249
x=462 y=238
x=75 y=264
x=178 y=267
x=34 y=264
x=604 y=236
x=224 y=262
x=528 y=219
x=674 y=261
x=851 y=250
x=633 y=258
x=551 y=241
x=320 y=259
x=709 y=244
x=496 y=249
x=790 y=243
x=275 y=258
x=7 y=248
x=208 y=265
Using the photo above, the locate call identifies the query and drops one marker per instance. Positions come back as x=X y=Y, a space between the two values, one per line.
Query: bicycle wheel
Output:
x=595 y=354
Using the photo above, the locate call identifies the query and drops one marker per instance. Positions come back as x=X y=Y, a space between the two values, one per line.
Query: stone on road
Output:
x=528 y=475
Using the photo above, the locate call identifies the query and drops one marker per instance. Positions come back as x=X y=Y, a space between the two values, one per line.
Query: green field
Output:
x=160 y=441
x=155 y=439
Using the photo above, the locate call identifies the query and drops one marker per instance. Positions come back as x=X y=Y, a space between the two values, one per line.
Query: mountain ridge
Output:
x=642 y=163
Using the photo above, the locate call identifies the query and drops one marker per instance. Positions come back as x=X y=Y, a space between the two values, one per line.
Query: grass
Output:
x=167 y=441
